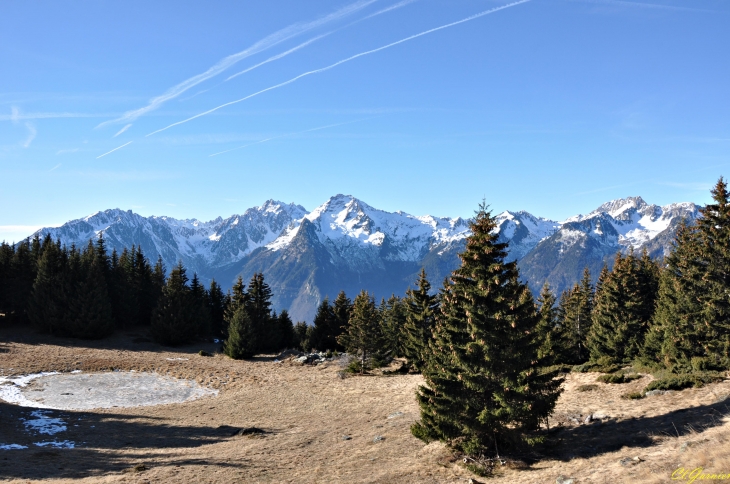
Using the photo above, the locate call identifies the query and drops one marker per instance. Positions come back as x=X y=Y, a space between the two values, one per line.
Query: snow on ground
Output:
x=12 y=446
x=43 y=424
x=10 y=389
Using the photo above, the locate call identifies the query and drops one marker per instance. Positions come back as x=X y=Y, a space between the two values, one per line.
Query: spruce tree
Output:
x=90 y=311
x=174 y=321
x=323 y=327
x=574 y=316
x=258 y=305
x=363 y=337
x=392 y=322
x=421 y=310
x=342 y=309
x=47 y=306
x=550 y=334
x=619 y=313
x=285 y=331
x=242 y=341
x=200 y=306
x=484 y=389
x=302 y=332
x=217 y=302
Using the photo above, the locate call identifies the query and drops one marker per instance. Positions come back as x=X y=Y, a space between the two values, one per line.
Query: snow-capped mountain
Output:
x=345 y=244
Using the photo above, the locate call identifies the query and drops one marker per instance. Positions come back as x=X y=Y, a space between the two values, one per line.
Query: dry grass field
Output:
x=319 y=427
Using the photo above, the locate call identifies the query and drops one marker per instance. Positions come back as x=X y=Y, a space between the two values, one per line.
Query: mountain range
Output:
x=345 y=244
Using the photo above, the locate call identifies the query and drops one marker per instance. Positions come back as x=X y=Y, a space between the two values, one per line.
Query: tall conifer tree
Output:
x=484 y=390
x=421 y=309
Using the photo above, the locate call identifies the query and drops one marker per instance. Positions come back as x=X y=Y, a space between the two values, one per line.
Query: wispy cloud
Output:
x=32 y=132
x=626 y=3
x=125 y=128
x=57 y=166
x=262 y=45
x=115 y=149
x=331 y=66
x=63 y=152
x=288 y=134
x=15 y=116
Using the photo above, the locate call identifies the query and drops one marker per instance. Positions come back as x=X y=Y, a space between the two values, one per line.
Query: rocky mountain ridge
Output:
x=346 y=244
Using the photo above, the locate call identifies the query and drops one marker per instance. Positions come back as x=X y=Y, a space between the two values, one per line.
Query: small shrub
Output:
x=602 y=365
x=204 y=353
x=354 y=367
x=617 y=378
x=587 y=388
x=633 y=396
x=680 y=382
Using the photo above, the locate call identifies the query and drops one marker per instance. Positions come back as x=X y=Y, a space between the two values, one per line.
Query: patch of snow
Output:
x=64 y=444
x=12 y=446
x=10 y=389
x=43 y=424
x=176 y=359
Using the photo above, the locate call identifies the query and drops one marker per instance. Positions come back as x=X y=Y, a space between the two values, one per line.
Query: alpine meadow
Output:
x=193 y=287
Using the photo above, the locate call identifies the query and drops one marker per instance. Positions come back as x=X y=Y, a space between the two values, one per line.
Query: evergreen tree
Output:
x=323 y=329
x=90 y=311
x=392 y=322
x=242 y=341
x=550 y=334
x=258 y=304
x=574 y=316
x=285 y=331
x=484 y=390
x=237 y=299
x=342 y=309
x=174 y=321
x=421 y=310
x=302 y=333
x=619 y=312
x=47 y=306
x=200 y=306
x=364 y=337
x=217 y=302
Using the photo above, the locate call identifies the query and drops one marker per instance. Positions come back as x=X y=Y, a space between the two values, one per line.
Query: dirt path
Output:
x=319 y=427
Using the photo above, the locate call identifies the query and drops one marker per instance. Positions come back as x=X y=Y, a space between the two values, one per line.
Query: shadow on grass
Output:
x=98 y=440
x=589 y=440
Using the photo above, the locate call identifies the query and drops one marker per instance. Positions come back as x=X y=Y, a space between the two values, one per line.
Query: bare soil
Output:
x=307 y=424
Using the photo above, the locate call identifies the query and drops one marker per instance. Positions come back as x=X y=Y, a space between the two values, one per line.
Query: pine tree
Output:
x=90 y=311
x=302 y=333
x=217 y=302
x=392 y=322
x=421 y=310
x=364 y=337
x=619 y=313
x=285 y=331
x=174 y=321
x=242 y=336
x=21 y=277
x=258 y=304
x=550 y=334
x=342 y=309
x=574 y=316
x=47 y=306
x=484 y=390
x=323 y=335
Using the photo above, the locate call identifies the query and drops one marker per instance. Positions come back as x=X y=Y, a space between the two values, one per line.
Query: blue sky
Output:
x=549 y=106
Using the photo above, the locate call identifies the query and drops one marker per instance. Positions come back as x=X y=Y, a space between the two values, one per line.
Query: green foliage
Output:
x=633 y=396
x=484 y=388
x=604 y=364
x=421 y=308
x=587 y=388
x=284 y=331
x=574 y=318
x=623 y=306
x=176 y=319
x=392 y=321
x=242 y=339
x=90 y=311
x=217 y=303
x=693 y=311
x=302 y=334
x=687 y=380
x=364 y=336
x=619 y=377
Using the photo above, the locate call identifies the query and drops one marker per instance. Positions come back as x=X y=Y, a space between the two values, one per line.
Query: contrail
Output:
x=317 y=71
x=278 y=56
x=290 y=134
x=115 y=149
x=304 y=44
x=263 y=44
x=125 y=128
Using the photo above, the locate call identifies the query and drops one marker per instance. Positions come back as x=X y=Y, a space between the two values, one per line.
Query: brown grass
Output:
x=304 y=413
